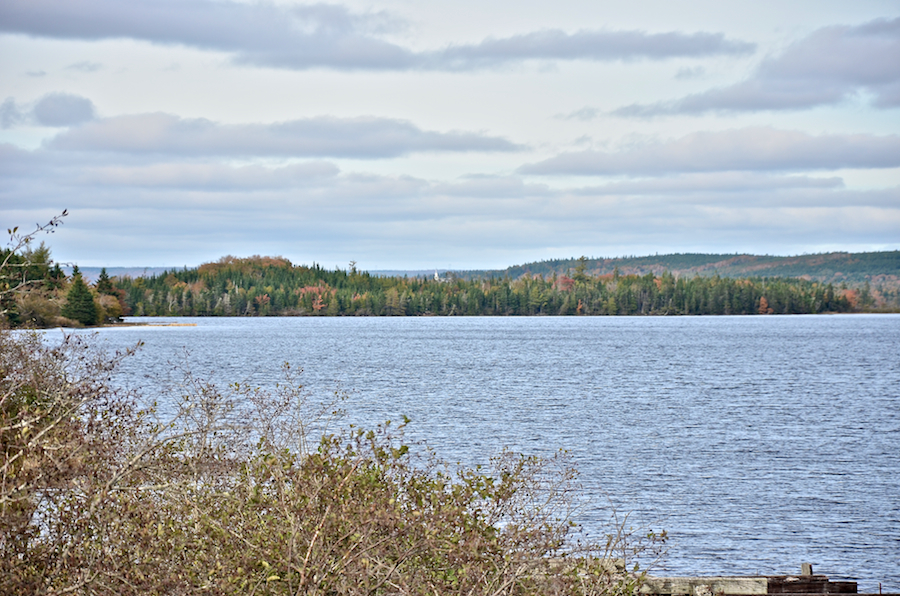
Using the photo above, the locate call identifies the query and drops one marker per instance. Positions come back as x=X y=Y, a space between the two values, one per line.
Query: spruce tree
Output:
x=79 y=302
x=104 y=285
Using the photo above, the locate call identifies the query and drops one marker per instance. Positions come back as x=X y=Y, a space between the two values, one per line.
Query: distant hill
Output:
x=854 y=269
x=406 y=272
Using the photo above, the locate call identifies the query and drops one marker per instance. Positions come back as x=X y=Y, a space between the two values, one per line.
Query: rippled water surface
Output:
x=757 y=442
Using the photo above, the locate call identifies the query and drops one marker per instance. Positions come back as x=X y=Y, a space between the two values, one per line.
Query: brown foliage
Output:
x=565 y=283
x=37 y=310
x=852 y=297
x=244 y=264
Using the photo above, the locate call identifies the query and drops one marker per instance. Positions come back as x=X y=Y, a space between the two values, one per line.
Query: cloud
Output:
x=364 y=137
x=690 y=73
x=85 y=66
x=11 y=114
x=208 y=177
x=411 y=223
x=590 y=45
x=584 y=114
x=52 y=109
x=747 y=149
x=490 y=187
x=63 y=109
x=330 y=36
x=324 y=180
x=259 y=33
x=12 y=158
x=125 y=207
x=829 y=66
x=716 y=183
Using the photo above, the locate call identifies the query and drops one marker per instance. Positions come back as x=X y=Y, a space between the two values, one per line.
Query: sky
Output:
x=405 y=134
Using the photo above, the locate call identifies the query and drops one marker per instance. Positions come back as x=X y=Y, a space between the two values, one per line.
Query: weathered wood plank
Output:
x=809 y=584
x=705 y=586
x=746 y=586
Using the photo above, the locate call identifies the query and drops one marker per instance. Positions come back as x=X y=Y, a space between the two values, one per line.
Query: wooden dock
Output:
x=804 y=584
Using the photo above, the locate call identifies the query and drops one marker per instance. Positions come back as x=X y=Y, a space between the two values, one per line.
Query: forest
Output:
x=36 y=292
x=264 y=286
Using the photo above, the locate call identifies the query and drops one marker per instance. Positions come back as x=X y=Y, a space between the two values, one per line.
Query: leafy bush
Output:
x=37 y=310
x=245 y=491
x=109 y=308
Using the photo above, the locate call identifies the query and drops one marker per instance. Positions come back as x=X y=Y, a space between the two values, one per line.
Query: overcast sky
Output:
x=468 y=134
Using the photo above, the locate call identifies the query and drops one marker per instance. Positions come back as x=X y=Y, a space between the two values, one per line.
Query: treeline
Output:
x=265 y=286
x=36 y=292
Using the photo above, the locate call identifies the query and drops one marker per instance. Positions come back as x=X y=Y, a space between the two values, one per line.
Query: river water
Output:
x=758 y=443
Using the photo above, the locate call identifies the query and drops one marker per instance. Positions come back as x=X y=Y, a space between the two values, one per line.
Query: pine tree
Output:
x=79 y=302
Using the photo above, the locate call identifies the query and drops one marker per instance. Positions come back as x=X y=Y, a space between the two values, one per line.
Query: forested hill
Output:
x=37 y=293
x=260 y=286
x=854 y=269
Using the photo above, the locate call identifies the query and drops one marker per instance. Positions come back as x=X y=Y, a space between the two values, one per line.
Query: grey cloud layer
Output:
x=827 y=67
x=298 y=37
x=747 y=149
x=207 y=177
x=322 y=35
x=367 y=137
x=589 y=45
x=298 y=210
x=472 y=220
x=93 y=174
x=716 y=183
x=53 y=109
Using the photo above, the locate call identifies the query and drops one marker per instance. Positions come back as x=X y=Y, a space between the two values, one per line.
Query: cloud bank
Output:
x=365 y=137
x=301 y=210
x=747 y=149
x=829 y=66
x=330 y=36
x=588 y=45
x=702 y=191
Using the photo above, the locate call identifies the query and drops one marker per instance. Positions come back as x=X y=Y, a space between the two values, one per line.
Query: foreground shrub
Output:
x=233 y=496
x=64 y=436
x=36 y=310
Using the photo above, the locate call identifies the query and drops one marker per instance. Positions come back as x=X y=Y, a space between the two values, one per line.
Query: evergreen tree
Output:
x=79 y=302
x=104 y=285
x=38 y=262
x=580 y=270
